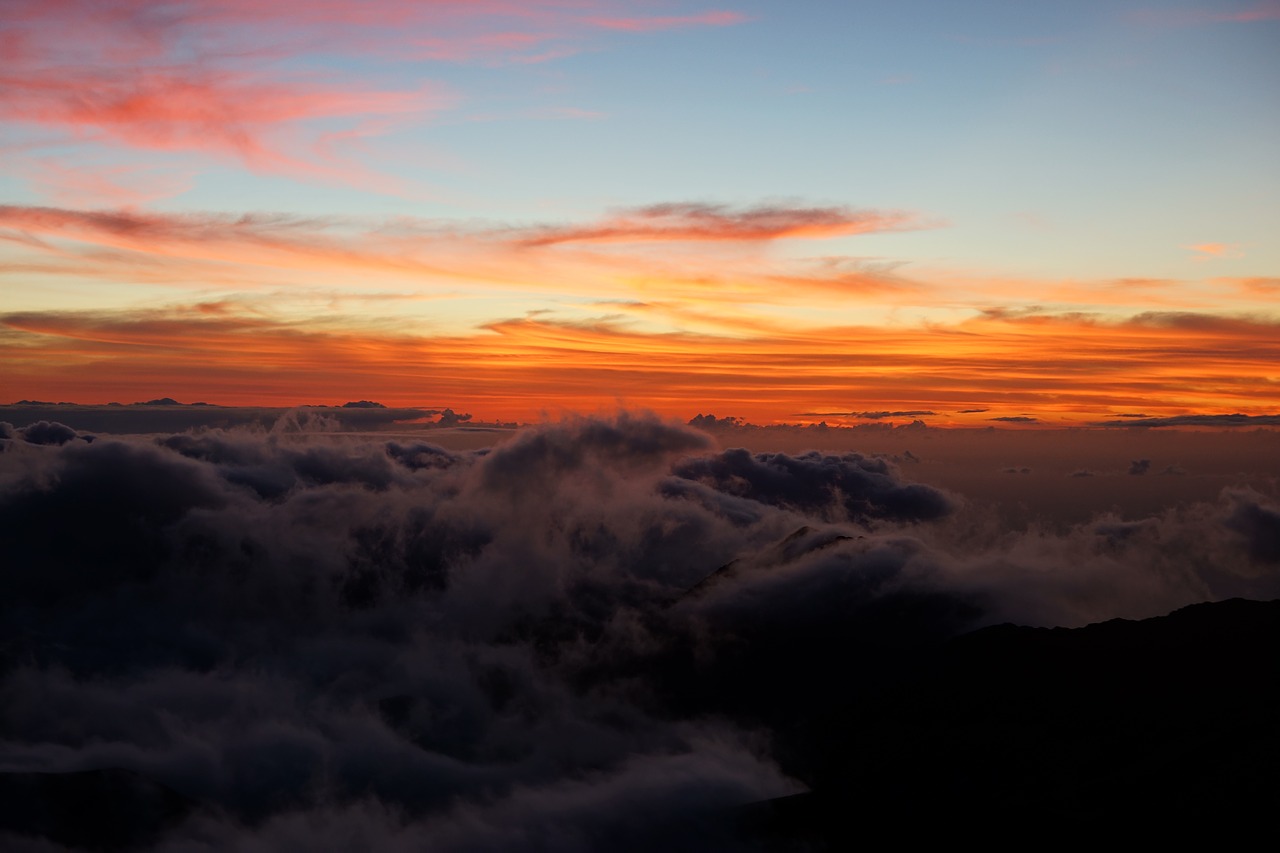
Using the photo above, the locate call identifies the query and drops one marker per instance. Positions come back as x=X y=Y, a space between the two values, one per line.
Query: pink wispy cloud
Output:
x=219 y=77
x=190 y=77
x=1261 y=12
x=1268 y=10
x=489 y=47
x=124 y=186
x=649 y=25
x=184 y=109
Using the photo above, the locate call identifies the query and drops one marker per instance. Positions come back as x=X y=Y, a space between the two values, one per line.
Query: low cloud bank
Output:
x=41 y=432
x=597 y=634
x=1216 y=421
x=167 y=415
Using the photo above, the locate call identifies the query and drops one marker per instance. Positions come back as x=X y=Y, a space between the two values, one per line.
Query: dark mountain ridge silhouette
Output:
x=1158 y=726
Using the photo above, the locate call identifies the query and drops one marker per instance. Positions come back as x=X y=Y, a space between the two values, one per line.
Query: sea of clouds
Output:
x=599 y=634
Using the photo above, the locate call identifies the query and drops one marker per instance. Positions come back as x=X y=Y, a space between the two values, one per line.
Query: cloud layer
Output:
x=545 y=644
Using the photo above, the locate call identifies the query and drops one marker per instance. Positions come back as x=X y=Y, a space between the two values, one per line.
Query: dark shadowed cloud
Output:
x=41 y=432
x=1236 y=420
x=1258 y=521
x=851 y=486
x=702 y=222
x=873 y=416
x=595 y=635
x=170 y=417
x=711 y=422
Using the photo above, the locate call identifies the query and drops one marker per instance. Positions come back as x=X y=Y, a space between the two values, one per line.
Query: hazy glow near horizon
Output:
x=783 y=212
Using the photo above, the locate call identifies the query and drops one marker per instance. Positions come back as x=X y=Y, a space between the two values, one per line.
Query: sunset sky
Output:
x=786 y=212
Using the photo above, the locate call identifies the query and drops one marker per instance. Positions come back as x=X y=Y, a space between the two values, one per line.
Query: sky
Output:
x=1062 y=214
x=658 y=233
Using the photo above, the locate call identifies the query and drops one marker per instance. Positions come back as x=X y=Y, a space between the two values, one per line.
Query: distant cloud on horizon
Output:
x=871 y=416
x=1234 y=420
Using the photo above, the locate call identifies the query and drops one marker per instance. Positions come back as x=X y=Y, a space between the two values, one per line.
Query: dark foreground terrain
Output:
x=1154 y=727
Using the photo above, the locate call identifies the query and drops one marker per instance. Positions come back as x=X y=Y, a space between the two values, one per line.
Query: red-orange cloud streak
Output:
x=1064 y=370
x=131 y=245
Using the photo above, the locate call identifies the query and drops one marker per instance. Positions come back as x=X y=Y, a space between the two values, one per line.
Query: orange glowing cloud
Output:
x=419 y=254
x=291 y=306
x=1255 y=286
x=1064 y=370
x=1110 y=295
x=202 y=244
x=1216 y=250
